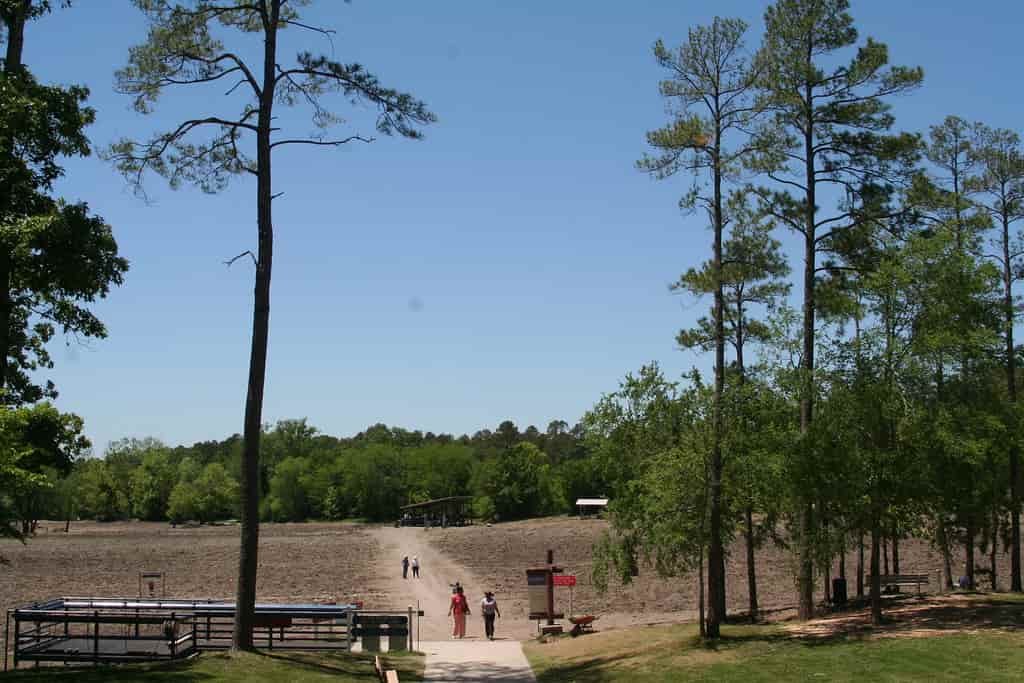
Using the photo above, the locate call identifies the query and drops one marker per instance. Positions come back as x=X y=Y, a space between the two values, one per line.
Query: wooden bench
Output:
x=385 y=676
x=903 y=580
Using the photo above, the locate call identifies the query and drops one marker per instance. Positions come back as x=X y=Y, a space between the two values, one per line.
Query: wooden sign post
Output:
x=566 y=580
x=541 y=586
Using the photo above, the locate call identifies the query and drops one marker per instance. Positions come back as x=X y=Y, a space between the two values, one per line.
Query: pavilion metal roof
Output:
x=437 y=501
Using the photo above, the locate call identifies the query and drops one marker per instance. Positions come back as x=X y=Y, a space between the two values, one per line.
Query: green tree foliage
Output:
x=55 y=257
x=210 y=495
x=151 y=484
x=97 y=494
x=519 y=483
x=659 y=510
x=41 y=444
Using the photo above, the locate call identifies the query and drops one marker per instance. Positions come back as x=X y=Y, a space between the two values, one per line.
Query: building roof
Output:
x=437 y=502
x=593 y=502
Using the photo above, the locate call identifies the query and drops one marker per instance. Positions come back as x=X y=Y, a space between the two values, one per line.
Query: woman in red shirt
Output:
x=458 y=609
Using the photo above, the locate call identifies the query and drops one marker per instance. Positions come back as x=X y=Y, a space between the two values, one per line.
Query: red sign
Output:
x=564 y=580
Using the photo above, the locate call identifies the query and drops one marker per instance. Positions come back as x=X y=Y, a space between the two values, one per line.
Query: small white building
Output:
x=590 y=506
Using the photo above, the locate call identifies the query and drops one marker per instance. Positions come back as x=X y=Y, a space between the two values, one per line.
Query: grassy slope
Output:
x=765 y=653
x=241 y=667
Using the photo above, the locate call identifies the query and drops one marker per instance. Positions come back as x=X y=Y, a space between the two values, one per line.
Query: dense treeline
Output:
x=308 y=475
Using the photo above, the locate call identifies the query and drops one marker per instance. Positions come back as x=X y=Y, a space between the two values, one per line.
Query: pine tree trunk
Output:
x=876 y=585
x=895 y=549
x=1011 y=390
x=885 y=555
x=700 y=596
x=969 y=552
x=947 y=555
x=806 y=526
x=245 y=603
x=716 y=552
x=860 y=563
x=828 y=581
x=993 y=551
x=751 y=568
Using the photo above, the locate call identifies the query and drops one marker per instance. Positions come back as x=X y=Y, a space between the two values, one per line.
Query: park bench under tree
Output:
x=903 y=580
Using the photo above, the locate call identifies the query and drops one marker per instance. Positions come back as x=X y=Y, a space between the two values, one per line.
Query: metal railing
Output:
x=77 y=629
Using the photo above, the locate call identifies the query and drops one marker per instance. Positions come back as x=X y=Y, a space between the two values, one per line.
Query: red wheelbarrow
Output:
x=582 y=624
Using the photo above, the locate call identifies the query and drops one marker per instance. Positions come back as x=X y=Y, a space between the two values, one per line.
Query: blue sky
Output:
x=512 y=265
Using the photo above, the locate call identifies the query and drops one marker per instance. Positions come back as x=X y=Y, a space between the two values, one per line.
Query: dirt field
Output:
x=322 y=562
x=298 y=562
x=499 y=554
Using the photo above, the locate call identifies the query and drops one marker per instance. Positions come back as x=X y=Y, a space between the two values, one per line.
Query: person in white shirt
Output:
x=489 y=608
x=415 y=567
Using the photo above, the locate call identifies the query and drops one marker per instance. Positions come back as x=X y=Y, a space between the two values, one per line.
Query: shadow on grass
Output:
x=347 y=667
x=354 y=665
x=595 y=670
x=175 y=672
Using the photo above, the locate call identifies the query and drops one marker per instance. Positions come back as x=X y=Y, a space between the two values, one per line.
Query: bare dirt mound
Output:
x=297 y=562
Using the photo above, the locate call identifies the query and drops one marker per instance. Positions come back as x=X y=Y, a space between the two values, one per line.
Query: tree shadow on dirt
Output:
x=918 y=617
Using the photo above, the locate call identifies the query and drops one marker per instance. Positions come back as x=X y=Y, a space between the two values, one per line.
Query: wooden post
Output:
x=7 y=639
x=551 y=588
x=409 y=634
x=96 y=638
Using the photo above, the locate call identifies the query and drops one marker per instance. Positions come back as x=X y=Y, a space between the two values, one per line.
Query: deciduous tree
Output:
x=55 y=257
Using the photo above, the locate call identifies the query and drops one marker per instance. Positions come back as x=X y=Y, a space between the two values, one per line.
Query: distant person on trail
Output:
x=458 y=609
x=405 y=567
x=415 y=567
x=489 y=609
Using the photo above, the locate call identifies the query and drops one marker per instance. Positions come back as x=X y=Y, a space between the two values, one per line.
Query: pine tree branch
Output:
x=324 y=143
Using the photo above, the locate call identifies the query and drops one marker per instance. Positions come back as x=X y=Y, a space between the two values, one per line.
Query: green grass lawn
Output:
x=305 y=666
x=766 y=653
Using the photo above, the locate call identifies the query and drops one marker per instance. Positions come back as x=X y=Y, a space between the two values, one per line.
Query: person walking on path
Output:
x=489 y=610
x=458 y=609
x=405 y=567
x=415 y=567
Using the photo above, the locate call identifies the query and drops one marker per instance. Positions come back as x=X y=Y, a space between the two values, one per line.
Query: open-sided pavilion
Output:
x=450 y=511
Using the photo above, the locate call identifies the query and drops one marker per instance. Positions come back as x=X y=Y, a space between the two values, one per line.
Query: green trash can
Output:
x=398 y=636
x=371 y=640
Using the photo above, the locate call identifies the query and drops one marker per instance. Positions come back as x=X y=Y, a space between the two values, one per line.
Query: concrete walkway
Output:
x=501 y=661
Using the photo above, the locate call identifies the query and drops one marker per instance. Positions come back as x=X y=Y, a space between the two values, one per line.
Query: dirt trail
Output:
x=433 y=588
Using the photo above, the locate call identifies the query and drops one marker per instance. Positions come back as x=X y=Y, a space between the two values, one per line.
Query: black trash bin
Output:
x=838 y=592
